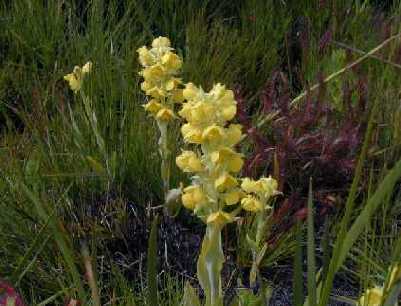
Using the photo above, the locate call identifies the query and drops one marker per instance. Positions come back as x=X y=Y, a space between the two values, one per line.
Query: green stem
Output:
x=210 y=264
x=165 y=156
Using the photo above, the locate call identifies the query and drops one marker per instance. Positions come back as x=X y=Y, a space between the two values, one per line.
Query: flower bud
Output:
x=161 y=42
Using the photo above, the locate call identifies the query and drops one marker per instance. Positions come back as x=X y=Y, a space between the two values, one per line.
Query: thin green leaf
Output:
x=311 y=251
x=151 y=299
x=298 y=278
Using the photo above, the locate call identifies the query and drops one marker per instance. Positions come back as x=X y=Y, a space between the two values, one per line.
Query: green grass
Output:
x=57 y=165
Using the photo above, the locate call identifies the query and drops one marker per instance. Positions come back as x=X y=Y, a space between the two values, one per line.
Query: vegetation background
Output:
x=66 y=186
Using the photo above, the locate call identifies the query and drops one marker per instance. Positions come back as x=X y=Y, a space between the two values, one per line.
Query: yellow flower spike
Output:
x=161 y=42
x=224 y=182
x=220 y=218
x=213 y=133
x=191 y=134
x=165 y=114
x=192 y=197
x=372 y=297
x=233 y=197
x=171 y=61
x=145 y=56
x=188 y=161
x=152 y=106
x=250 y=203
x=190 y=91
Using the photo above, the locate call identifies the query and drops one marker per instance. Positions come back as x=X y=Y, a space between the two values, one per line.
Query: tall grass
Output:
x=60 y=174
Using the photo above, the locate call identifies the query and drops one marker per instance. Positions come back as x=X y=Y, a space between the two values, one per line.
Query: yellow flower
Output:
x=227 y=158
x=213 y=133
x=264 y=187
x=75 y=78
x=220 y=218
x=145 y=56
x=73 y=81
x=87 y=68
x=225 y=101
x=193 y=196
x=172 y=84
x=176 y=95
x=372 y=297
x=224 y=182
x=165 y=114
x=233 y=134
x=191 y=134
x=153 y=73
x=152 y=106
x=233 y=197
x=250 y=186
x=188 y=161
x=156 y=92
x=161 y=42
x=190 y=91
x=250 y=203
x=268 y=186
x=229 y=112
x=171 y=61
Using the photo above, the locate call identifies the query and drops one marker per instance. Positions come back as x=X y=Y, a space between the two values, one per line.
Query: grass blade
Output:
x=152 y=265
x=298 y=278
x=311 y=251
x=61 y=239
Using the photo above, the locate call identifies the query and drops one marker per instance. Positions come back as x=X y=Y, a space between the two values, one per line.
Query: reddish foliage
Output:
x=8 y=293
x=312 y=140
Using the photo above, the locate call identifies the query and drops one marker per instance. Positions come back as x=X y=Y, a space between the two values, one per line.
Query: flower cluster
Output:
x=216 y=164
x=160 y=69
x=76 y=78
x=258 y=193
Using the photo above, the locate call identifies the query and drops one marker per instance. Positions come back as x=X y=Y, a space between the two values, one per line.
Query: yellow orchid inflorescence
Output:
x=215 y=191
x=215 y=163
x=76 y=78
x=161 y=84
x=160 y=69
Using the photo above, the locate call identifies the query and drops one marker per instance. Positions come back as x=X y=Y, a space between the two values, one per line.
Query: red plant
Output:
x=309 y=140
x=9 y=296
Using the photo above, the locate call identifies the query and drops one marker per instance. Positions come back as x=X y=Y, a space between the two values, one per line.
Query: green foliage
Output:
x=63 y=156
x=152 y=265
